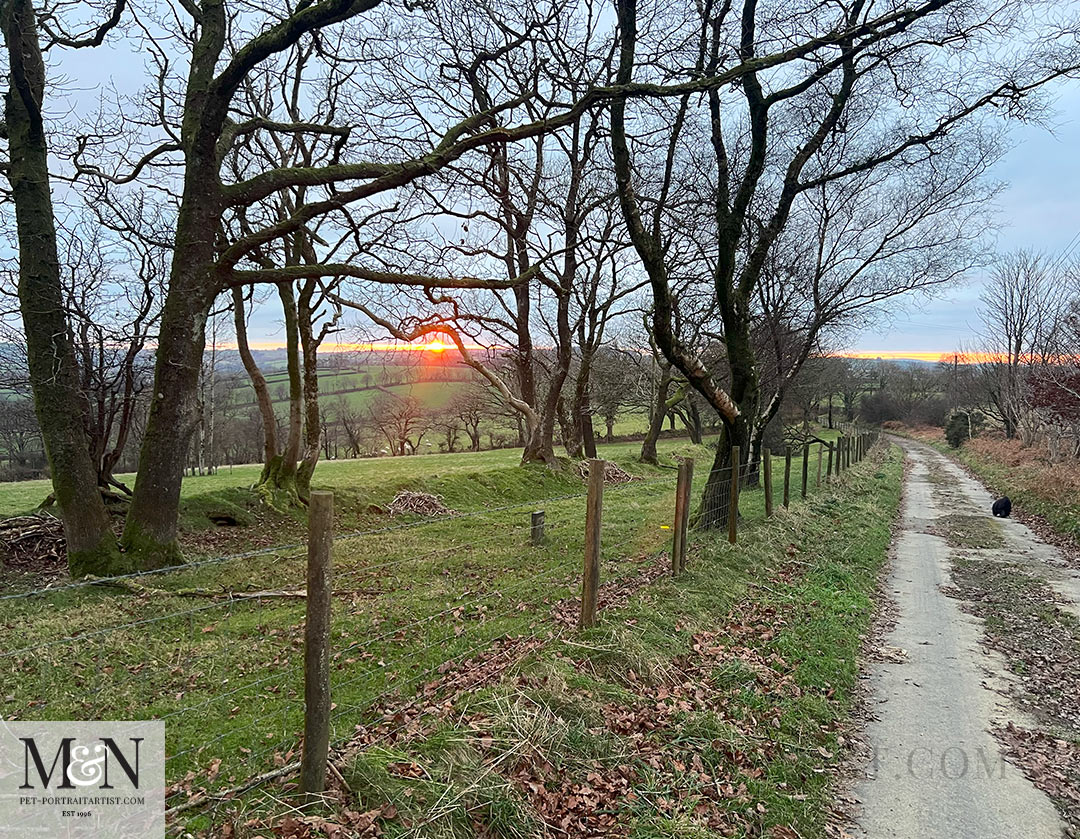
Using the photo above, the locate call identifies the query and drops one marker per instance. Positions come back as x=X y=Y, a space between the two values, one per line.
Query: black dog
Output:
x=1002 y=507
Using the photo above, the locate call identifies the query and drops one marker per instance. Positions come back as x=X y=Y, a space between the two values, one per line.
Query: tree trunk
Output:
x=714 y=509
x=571 y=427
x=312 y=420
x=151 y=529
x=539 y=443
x=656 y=420
x=581 y=408
x=53 y=368
x=588 y=434
x=258 y=383
x=746 y=393
x=279 y=488
x=692 y=421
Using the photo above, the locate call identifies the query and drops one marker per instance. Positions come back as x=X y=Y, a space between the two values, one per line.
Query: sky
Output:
x=1039 y=209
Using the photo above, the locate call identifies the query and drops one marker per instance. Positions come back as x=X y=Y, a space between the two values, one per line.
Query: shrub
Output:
x=879 y=407
x=931 y=411
x=962 y=425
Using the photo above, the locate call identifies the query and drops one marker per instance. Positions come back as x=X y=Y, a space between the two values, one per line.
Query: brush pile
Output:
x=408 y=502
x=613 y=473
x=29 y=542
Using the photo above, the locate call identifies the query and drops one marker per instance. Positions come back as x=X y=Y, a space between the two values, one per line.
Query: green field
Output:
x=358 y=387
x=215 y=653
x=20 y=497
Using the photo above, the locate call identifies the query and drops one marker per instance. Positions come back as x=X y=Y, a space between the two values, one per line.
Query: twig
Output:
x=201 y=799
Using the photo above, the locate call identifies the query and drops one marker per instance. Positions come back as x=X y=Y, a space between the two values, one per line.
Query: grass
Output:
x=746 y=745
x=361 y=474
x=223 y=667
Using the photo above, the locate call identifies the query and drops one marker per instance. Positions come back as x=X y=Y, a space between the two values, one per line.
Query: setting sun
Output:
x=436 y=346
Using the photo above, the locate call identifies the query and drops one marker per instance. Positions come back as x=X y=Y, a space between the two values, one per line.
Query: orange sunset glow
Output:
x=918 y=355
x=912 y=355
x=435 y=346
x=438 y=346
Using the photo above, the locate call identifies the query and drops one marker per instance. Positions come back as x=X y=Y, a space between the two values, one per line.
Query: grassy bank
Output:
x=446 y=627
x=704 y=706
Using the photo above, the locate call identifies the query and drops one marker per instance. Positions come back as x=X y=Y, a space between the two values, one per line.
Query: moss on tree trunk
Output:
x=54 y=378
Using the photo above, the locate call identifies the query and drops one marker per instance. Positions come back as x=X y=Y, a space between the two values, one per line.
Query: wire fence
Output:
x=421 y=610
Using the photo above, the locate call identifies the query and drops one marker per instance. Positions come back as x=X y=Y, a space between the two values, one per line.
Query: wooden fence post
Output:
x=820 y=453
x=536 y=528
x=805 y=467
x=594 y=507
x=840 y=454
x=733 y=508
x=682 y=516
x=829 y=468
x=787 y=476
x=317 y=644
x=766 y=470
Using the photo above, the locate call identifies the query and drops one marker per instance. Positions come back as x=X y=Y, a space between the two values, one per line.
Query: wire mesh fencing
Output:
x=421 y=610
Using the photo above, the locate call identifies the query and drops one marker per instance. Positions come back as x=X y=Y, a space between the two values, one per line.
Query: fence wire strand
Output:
x=473 y=595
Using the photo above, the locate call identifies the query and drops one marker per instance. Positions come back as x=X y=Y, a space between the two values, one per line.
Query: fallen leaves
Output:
x=1052 y=764
x=1041 y=643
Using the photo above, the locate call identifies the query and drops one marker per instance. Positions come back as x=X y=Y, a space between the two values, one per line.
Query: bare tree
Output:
x=401 y=420
x=822 y=145
x=20 y=441
x=1022 y=305
x=53 y=366
x=201 y=124
x=471 y=406
x=113 y=306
